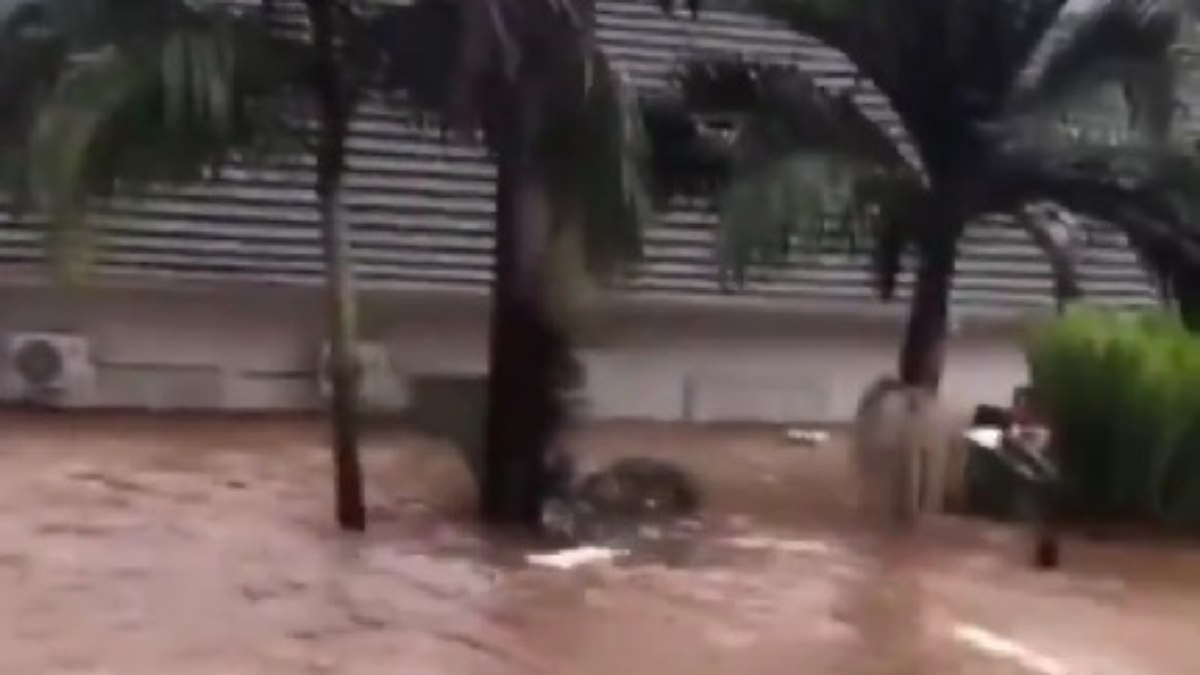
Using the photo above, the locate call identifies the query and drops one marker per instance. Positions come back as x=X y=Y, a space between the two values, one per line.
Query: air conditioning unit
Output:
x=53 y=369
x=380 y=387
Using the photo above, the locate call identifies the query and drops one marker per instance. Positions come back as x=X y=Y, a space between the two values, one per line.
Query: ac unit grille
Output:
x=378 y=385
x=53 y=369
x=39 y=363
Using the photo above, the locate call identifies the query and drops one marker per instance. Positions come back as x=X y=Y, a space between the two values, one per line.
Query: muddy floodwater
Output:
x=177 y=546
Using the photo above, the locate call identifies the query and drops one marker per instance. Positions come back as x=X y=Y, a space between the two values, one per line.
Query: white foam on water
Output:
x=988 y=437
x=1001 y=647
x=809 y=546
x=574 y=557
x=809 y=437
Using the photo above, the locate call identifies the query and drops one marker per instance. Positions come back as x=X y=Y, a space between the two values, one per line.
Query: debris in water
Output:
x=1045 y=555
x=811 y=546
x=574 y=557
x=806 y=437
x=739 y=521
x=987 y=437
x=650 y=532
x=731 y=638
x=1001 y=647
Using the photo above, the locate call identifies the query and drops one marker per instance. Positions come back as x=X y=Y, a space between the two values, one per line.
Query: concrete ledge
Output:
x=615 y=302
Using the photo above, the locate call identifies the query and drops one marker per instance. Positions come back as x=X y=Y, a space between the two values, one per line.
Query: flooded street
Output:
x=177 y=546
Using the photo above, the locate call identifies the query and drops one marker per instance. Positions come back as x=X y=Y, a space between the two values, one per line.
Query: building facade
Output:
x=208 y=296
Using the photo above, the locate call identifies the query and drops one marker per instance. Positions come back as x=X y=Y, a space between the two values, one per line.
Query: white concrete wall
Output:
x=256 y=348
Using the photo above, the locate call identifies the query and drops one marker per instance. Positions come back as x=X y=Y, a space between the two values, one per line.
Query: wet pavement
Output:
x=139 y=546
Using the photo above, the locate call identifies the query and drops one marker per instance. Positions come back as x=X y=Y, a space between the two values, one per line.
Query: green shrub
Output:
x=1122 y=395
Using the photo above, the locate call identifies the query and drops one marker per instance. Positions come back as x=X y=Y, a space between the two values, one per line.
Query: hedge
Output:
x=1121 y=393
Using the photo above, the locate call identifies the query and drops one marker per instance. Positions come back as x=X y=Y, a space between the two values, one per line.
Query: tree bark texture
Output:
x=923 y=354
x=344 y=369
x=1185 y=289
x=1057 y=246
x=526 y=347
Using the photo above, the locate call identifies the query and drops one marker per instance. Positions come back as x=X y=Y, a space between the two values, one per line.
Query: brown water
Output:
x=178 y=547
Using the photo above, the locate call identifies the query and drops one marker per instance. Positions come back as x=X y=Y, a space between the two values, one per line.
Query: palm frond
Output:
x=598 y=162
x=979 y=46
x=32 y=55
x=1059 y=244
x=955 y=71
x=1148 y=194
x=1129 y=41
x=808 y=169
x=894 y=205
x=135 y=26
x=421 y=44
x=68 y=129
x=457 y=58
x=123 y=119
x=784 y=111
x=872 y=34
x=477 y=64
x=789 y=207
x=685 y=157
x=988 y=45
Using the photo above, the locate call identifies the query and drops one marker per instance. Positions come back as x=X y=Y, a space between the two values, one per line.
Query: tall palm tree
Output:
x=567 y=142
x=145 y=91
x=968 y=81
x=189 y=86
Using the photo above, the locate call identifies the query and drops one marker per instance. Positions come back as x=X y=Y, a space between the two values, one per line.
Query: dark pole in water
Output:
x=1046 y=546
x=1046 y=553
x=1043 y=480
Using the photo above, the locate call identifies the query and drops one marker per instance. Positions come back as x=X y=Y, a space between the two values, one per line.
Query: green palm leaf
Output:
x=804 y=167
x=955 y=72
x=467 y=62
x=31 y=57
x=597 y=158
x=167 y=104
x=785 y=110
x=1149 y=194
x=1130 y=40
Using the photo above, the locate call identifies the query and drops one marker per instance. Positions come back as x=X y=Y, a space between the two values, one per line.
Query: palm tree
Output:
x=40 y=57
x=188 y=87
x=969 y=81
x=567 y=142
x=335 y=91
x=1151 y=194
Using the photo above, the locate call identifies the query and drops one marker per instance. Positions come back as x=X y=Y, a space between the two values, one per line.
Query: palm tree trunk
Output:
x=1185 y=291
x=923 y=355
x=1058 y=251
x=344 y=369
x=526 y=347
